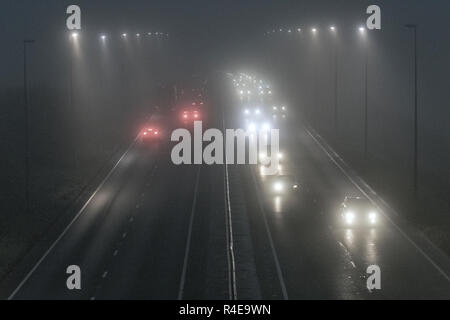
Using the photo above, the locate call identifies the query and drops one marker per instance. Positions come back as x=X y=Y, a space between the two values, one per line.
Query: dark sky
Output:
x=203 y=30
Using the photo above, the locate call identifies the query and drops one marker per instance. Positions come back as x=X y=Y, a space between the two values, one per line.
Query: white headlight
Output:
x=373 y=217
x=278 y=187
x=349 y=217
x=262 y=156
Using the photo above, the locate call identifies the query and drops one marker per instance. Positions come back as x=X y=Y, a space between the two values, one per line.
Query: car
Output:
x=190 y=114
x=279 y=112
x=151 y=133
x=281 y=184
x=358 y=212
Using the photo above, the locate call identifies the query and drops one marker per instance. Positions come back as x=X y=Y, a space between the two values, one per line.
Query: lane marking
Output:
x=105 y=274
x=231 y=260
x=124 y=235
x=428 y=258
x=79 y=213
x=272 y=245
x=189 y=237
x=115 y=252
x=232 y=286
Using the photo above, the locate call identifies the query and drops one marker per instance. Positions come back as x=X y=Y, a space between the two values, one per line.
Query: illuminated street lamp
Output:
x=124 y=35
x=335 y=113
x=362 y=31
x=314 y=30
x=74 y=35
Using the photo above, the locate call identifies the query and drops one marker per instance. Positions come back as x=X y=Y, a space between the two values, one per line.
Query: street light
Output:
x=413 y=27
x=362 y=31
x=313 y=30
x=124 y=35
x=103 y=37
x=74 y=35
x=27 y=120
x=335 y=115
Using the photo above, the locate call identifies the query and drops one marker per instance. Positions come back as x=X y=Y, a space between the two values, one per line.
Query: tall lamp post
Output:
x=362 y=31
x=413 y=27
x=74 y=38
x=27 y=117
x=335 y=111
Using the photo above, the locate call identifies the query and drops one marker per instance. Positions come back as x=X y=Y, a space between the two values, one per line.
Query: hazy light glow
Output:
x=278 y=187
x=362 y=29
x=349 y=217
x=314 y=30
x=333 y=28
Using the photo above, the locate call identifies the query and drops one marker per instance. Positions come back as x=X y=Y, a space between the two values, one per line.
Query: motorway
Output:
x=154 y=230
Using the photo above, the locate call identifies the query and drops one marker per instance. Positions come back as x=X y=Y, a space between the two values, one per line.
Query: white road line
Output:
x=189 y=237
x=115 y=252
x=230 y=240
x=231 y=261
x=124 y=235
x=272 y=245
x=428 y=258
x=104 y=274
x=71 y=223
